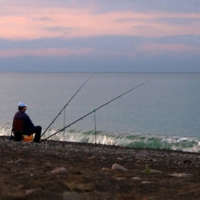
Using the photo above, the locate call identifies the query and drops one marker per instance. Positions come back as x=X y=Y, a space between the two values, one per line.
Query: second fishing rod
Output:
x=94 y=110
x=66 y=104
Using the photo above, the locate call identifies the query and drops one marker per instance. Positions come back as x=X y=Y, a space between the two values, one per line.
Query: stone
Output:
x=118 y=167
x=105 y=169
x=19 y=160
x=146 y=182
x=136 y=178
x=184 y=175
x=36 y=191
x=153 y=171
x=10 y=162
x=121 y=178
x=156 y=171
x=85 y=187
x=60 y=170
x=70 y=196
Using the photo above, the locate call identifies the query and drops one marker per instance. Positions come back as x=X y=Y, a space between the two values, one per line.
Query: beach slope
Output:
x=65 y=170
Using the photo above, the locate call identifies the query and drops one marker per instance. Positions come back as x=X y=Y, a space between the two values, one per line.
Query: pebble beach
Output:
x=67 y=170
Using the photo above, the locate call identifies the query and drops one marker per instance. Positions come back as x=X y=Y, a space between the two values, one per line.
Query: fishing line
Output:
x=95 y=127
x=66 y=105
x=64 y=121
x=95 y=110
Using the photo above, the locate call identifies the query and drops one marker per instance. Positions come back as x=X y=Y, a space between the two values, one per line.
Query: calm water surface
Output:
x=164 y=113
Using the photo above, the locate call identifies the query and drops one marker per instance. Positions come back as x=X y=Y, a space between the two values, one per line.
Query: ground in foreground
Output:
x=63 y=170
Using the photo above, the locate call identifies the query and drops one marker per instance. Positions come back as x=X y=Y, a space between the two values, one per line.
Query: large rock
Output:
x=118 y=167
x=60 y=170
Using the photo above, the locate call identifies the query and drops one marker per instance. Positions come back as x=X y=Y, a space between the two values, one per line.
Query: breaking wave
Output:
x=133 y=140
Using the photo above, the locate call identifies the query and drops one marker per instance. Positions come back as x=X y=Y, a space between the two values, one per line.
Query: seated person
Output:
x=22 y=125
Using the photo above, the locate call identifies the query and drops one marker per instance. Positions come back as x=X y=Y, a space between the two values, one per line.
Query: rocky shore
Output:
x=79 y=171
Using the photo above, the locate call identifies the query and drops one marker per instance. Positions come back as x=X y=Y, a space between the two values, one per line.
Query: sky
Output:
x=100 y=35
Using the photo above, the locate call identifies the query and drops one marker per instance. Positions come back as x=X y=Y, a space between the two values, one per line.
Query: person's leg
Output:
x=17 y=136
x=37 y=131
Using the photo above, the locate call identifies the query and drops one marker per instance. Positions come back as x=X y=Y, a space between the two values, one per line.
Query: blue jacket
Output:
x=28 y=126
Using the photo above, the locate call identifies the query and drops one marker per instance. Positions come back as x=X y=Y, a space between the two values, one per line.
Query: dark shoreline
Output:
x=86 y=172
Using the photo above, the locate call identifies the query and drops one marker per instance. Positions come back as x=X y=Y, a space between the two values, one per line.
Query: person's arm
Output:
x=28 y=121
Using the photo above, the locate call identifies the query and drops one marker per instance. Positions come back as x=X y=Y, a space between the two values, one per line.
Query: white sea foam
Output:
x=5 y=130
x=134 y=140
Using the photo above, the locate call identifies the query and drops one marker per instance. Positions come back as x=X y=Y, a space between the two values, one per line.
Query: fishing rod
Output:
x=66 y=104
x=95 y=110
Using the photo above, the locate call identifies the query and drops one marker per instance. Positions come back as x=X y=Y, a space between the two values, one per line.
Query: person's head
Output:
x=22 y=107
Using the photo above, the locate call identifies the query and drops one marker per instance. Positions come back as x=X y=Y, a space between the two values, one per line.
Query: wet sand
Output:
x=65 y=170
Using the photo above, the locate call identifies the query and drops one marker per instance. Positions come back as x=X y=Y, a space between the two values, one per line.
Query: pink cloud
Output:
x=18 y=23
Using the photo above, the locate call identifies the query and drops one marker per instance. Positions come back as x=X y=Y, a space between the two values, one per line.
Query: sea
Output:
x=137 y=110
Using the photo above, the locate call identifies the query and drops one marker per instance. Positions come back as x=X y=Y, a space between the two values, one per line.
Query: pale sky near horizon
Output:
x=100 y=35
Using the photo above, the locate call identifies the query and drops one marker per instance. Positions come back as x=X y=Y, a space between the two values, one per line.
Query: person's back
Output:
x=22 y=117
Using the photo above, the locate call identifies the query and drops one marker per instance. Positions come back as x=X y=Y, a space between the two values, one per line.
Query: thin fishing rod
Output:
x=66 y=104
x=95 y=110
